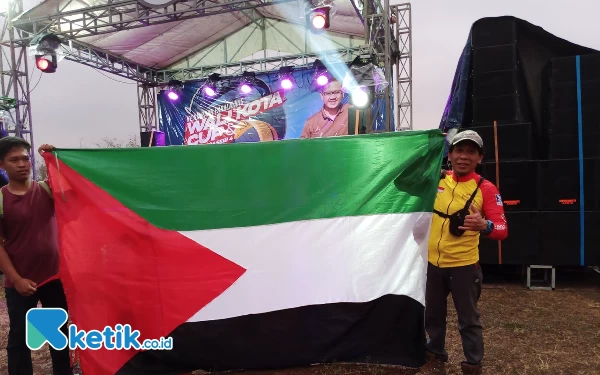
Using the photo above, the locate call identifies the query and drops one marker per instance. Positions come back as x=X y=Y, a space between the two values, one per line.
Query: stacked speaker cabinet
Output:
x=497 y=86
x=552 y=216
x=563 y=99
x=152 y=138
x=515 y=141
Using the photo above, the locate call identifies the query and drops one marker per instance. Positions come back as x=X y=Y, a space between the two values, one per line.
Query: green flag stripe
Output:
x=248 y=184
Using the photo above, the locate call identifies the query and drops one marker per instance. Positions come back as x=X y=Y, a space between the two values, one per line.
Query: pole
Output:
x=497 y=180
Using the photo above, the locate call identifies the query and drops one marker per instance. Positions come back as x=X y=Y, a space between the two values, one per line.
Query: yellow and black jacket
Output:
x=447 y=250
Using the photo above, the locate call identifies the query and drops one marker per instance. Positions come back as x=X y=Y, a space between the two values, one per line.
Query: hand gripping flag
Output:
x=250 y=256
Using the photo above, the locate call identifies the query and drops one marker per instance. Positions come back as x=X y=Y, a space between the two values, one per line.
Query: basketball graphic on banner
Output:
x=254 y=131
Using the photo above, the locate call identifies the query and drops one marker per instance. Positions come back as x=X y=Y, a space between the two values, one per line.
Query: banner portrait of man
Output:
x=332 y=119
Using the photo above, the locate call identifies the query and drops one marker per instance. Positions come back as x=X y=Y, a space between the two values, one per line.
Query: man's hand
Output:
x=474 y=221
x=25 y=287
x=45 y=148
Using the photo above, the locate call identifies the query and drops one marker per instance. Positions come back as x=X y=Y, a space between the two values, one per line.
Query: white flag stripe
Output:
x=345 y=259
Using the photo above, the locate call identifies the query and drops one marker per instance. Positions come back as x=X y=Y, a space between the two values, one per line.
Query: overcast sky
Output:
x=78 y=106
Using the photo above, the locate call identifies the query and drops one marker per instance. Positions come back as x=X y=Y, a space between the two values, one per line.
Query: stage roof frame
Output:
x=189 y=39
x=143 y=39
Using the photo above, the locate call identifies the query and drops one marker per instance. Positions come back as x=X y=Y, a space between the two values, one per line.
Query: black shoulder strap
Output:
x=468 y=204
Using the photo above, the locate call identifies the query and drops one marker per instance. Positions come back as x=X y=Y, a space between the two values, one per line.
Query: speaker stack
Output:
x=152 y=138
x=539 y=167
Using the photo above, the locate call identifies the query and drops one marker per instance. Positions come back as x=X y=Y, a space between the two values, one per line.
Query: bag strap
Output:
x=468 y=204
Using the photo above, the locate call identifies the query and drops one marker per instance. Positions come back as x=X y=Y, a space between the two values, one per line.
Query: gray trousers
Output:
x=465 y=285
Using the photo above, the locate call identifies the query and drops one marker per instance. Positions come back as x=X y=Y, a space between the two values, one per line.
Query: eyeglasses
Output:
x=333 y=93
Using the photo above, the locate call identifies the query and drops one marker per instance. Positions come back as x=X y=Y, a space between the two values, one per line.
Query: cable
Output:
x=116 y=80
x=39 y=79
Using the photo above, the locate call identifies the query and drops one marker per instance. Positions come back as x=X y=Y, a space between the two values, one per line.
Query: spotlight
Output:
x=210 y=91
x=46 y=63
x=46 y=49
x=319 y=19
x=210 y=87
x=286 y=77
x=42 y=63
x=246 y=88
x=248 y=79
x=286 y=83
x=322 y=80
x=174 y=89
x=360 y=97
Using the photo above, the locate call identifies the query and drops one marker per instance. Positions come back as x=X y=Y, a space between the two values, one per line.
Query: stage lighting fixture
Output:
x=322 y=80
x=45 y=48
x=174 y=89
x=210 y=91
x=245 y=88
x=286 y=77
x=210 y=87
x=247 y=82
x=46 y=63
x=318 y=19
x=360 y=97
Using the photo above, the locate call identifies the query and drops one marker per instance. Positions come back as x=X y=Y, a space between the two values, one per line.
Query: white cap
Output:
x=468 y=135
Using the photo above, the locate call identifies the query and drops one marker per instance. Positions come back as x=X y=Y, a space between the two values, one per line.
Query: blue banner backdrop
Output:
x=266 y=113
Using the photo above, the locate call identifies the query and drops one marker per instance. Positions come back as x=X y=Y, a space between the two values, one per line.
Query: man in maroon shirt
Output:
x=29 y=254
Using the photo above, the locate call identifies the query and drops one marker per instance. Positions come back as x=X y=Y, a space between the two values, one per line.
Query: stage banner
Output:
x=249 y=256
x=267 y=112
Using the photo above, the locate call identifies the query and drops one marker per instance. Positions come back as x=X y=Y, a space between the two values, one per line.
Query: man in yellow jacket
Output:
x=465 y=208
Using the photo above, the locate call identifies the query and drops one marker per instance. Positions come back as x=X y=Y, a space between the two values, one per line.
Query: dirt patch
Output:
x=526 y=333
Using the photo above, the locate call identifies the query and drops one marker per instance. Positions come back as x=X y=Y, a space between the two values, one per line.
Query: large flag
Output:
x=252 y=255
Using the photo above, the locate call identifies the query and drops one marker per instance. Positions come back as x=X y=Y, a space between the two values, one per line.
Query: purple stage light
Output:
x=246 y=88
x=209 y=91
x=322 y=80
x=286 y=84
x=173 y=95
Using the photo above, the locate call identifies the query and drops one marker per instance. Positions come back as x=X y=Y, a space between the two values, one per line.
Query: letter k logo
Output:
x=43 y=325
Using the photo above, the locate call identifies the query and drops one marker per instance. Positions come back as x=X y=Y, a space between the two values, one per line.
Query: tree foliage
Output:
x=106 y=142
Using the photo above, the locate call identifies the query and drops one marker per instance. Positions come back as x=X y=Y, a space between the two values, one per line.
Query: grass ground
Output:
x=526 y=332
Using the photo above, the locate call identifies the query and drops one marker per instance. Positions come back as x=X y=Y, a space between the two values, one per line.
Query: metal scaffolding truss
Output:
x=403 y=68
x=387 y=34
x=119 y=15
x=257 y=65
x=14 y=76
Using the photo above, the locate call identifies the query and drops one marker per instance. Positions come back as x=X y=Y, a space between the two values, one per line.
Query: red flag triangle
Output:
x=117 y=268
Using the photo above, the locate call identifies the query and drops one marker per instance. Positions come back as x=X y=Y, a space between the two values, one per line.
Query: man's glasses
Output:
x=332 y=93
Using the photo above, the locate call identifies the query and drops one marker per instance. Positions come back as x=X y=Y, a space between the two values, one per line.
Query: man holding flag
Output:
x=466 y=207
x=28 y=254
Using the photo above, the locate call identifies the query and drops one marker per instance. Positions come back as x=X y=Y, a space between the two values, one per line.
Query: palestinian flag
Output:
x=252 y=255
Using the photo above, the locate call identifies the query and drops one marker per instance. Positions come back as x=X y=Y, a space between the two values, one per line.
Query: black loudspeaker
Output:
x=494 y=31
x=566 y=146
x=497 y=86
x=515 y=142
x=495 y=59
x=152 y=139
x=592 y=238
x=519 y=184
x=521 y=245
x=560 y=117
x=560 y=188
x=560 y=244
x=505 y=109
